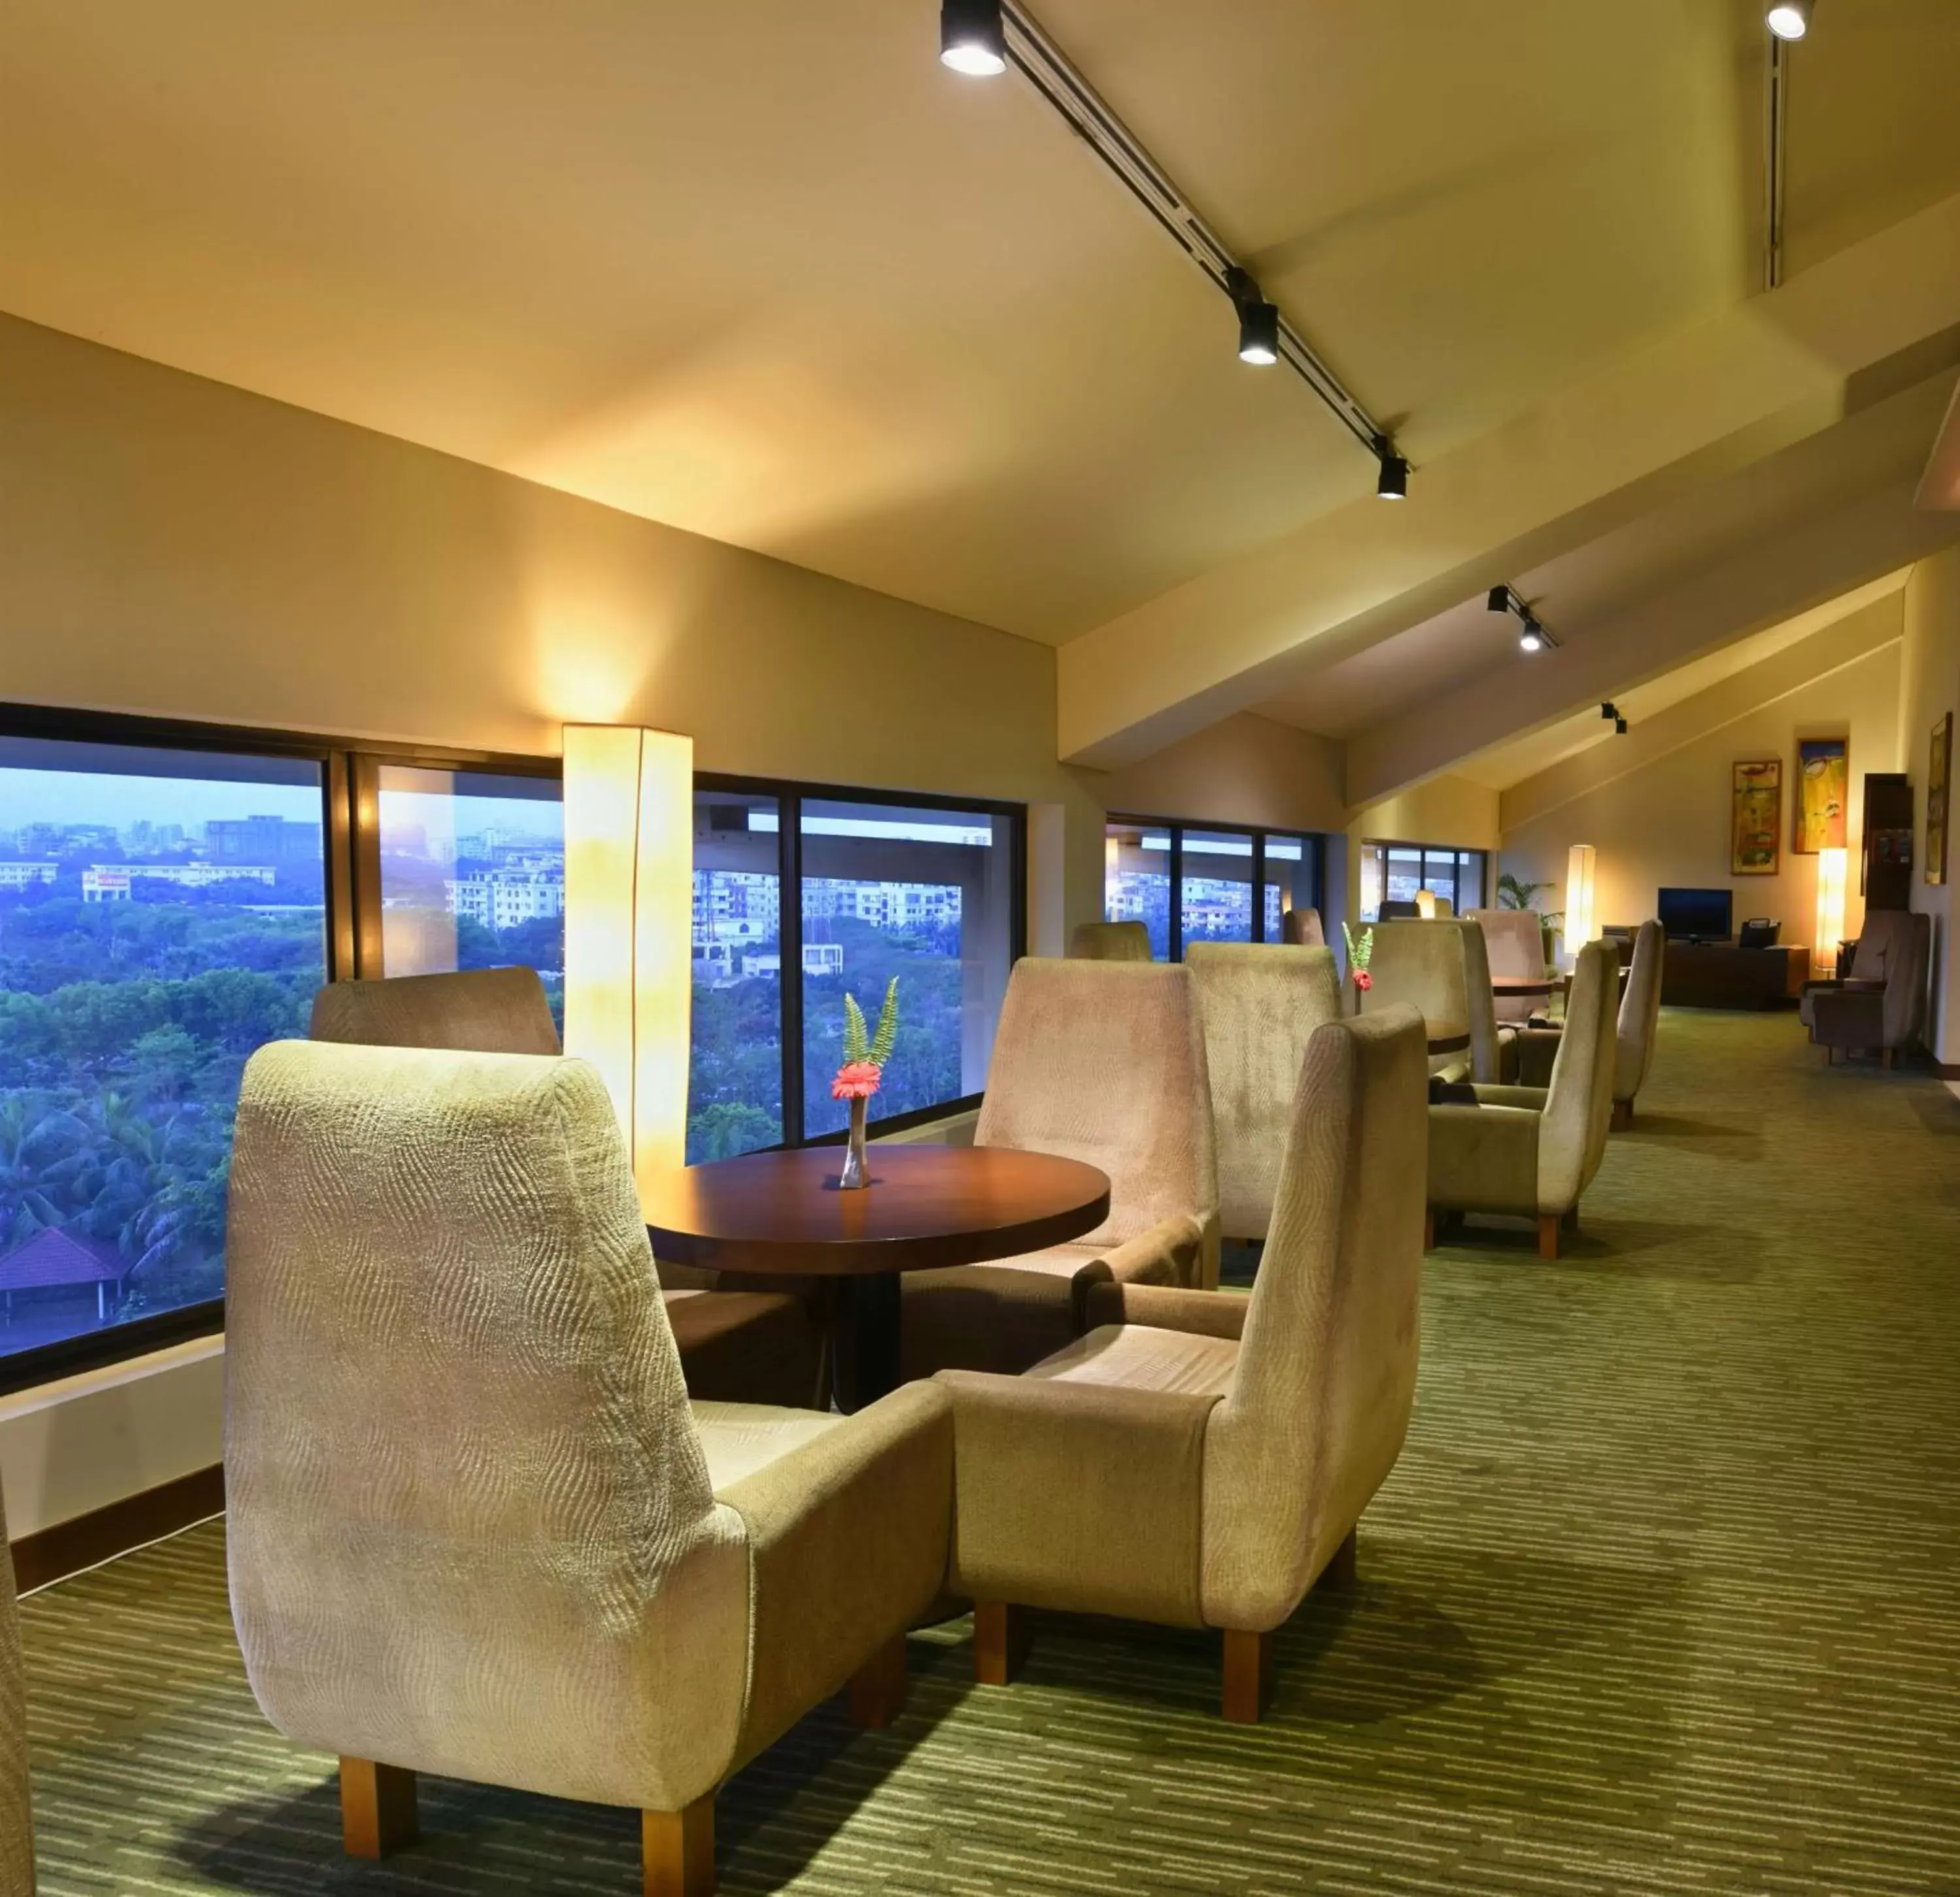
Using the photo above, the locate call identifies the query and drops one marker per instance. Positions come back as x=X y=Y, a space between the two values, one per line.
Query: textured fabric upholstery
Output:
x=1208 y=1480
x=1524 y=1152
x=1893 y=950
x=1639 y=1024
x=1440 y=969
x=473 y=1529
x=1301 y=929
x=1514 y=939
x=737 y=1347
x=487 y=1011
x=1102 y=1062
x=16 y=1828
x=1258 y=1005
x=1109 y=942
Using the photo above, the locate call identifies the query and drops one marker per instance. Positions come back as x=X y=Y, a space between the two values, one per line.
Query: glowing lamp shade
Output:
x=628 y=906
x=1425 y=904
x=1580 y=927
x=1830 y=906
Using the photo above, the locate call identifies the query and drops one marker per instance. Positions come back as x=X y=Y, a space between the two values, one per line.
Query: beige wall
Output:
x=1246 y=769
x=1930 y=688
x=1448 y=810
x=1657 y=810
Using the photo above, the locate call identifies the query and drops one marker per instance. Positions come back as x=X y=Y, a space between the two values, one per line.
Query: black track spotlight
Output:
x=1392 y=483
x=1259 y=320
x=1532 y=638
x=1608 y=709
x=972 y=39
x=1620 y=727
x=1789 y=19
x=1499 y=600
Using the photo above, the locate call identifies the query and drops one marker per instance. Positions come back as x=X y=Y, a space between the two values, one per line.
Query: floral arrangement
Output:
x=865 y=1053
x=1359 y=948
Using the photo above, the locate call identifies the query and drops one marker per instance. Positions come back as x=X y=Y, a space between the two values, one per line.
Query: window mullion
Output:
x=789 y=828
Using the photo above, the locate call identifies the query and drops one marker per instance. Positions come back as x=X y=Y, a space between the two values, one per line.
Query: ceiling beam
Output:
x=1695 y=407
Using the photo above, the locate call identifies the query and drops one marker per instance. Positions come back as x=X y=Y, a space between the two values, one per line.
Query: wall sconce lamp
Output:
x=628 y=912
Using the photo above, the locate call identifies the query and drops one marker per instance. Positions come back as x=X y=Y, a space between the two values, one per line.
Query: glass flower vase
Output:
x=853 y=1174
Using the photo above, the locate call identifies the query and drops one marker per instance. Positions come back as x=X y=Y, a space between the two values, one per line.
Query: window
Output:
x=471 y=873
x=163 y=912
x=1399 y=871
x=1215 y=874
x=735 y=1075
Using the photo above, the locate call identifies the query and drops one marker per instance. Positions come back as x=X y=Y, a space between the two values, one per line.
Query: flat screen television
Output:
x=1697 y=915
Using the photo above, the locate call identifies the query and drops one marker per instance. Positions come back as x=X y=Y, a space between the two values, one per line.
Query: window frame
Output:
x=1316 y=855
x=350 y=844
x=790 y=795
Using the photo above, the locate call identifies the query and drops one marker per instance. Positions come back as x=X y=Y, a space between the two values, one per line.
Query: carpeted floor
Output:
x=1665 y=1596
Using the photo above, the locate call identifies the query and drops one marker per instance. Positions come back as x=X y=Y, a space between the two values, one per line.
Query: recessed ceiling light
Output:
x=972 y=37
x=1790 y=19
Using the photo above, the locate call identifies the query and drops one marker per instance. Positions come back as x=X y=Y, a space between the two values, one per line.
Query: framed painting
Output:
x=1939 y=776
x=1823 y=794
x=1755 y=838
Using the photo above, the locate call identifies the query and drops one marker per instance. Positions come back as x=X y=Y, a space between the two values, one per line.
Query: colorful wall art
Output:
x=1823 y=794
x=1938 y=777
x=1755 y=844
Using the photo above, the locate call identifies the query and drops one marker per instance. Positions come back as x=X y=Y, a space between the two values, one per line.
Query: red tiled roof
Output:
x=56 y=1257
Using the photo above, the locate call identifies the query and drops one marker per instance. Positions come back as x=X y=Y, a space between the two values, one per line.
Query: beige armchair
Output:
x=17 y=1821
x=1201 y=1459
x=1514 y=941
x=477 y=1527
x=1102 y=1062
x=1258 y=1005
x=1301 y=929
x=1637 y=1028
x=1881 y=1004
x=1442 y=970
x=752 y=1344
x=1109 y=942
x=1532 y=1150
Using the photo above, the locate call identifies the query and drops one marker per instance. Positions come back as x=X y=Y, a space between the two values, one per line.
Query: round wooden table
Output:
x=1522 y=987
x=782 y=1214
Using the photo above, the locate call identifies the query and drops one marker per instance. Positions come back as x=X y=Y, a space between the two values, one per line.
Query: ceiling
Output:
x=770 y=273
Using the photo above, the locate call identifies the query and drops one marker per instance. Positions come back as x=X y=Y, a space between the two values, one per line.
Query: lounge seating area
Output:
x=940 y=955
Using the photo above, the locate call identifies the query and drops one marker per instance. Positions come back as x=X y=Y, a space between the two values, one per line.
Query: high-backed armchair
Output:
x=1637 y=1027
x=739 y=1345
x=16 y=1822
x=1441 y=969
x=1102 y=1062
x=1882 y=1004
x=1109 y=942
x=1200 y=1458
x=1532 y=1150
x=1514 y=939
x=1301 y=929
x=1259 y=1005
x=476 y=1528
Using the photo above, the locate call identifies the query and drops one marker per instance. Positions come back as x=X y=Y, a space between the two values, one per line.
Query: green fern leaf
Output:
x=888 y=1026
x=856 y=1047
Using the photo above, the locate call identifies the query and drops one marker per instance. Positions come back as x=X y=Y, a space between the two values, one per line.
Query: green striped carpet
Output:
x=1665 y=1598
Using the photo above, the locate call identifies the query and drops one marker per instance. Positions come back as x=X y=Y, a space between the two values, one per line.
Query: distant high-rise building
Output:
x=273 y=839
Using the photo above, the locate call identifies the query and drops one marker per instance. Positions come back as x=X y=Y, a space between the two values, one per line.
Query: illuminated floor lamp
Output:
x=1578 y=925
x=1829 y=907
x=628 y=911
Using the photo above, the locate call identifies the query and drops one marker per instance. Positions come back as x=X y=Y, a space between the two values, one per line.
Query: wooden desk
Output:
x=1717 y=974
x=782 y=1214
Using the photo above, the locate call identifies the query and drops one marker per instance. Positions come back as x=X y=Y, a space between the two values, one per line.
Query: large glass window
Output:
x=1136 y=880
x=735 y=1082
x=162 y=914
x=472 y=873
x=923 y=893
x=1187 y=883
x=1399 y=873
x=1215 y=889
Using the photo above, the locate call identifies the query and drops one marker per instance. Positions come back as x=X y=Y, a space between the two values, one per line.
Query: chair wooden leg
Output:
x=1623 y=1115
x=677 y=1850
x=1000 y=1641
x=1248 y=1677
x=1343 y=1565
x=377 y=1808
x=1547 y=1235
x=877 y=1688
x=1888 y=1055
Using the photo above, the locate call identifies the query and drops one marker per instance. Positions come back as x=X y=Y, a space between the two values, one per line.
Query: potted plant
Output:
x=1513 y=893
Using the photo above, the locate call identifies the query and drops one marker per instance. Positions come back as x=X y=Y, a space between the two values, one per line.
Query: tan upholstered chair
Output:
x=1514 y=943
x=16 y=1824
x=1110 y=941
x=1532 y=1151
x=750 y=1344
x=1636 y=1030
x=1441 y=969
x=1301 y=929
x=1258 y=1005
x=1200 y=1458
x=477 y=1527
x=1881 y=1004
x=1102 y=1062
